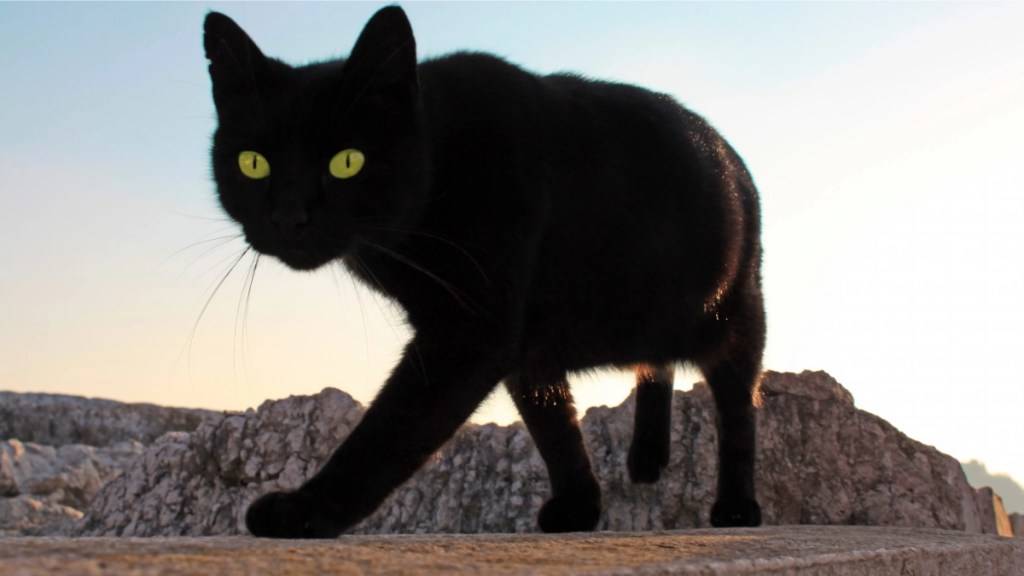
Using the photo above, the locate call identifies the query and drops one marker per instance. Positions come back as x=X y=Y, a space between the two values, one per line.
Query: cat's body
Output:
x=529 y=226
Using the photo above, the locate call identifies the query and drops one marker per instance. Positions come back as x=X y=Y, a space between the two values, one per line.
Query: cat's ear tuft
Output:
x=236 y=63
x=384 y=57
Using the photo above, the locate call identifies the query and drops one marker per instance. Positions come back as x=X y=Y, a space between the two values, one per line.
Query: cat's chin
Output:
x=302 y=260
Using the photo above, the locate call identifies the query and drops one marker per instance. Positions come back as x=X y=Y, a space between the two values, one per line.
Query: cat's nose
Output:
x=290 y=224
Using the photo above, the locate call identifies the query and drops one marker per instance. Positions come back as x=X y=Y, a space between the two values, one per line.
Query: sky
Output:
x=887 y=141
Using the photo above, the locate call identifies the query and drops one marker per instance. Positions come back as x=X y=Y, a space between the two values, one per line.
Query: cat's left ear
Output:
x=237 y=66
x=383 y=61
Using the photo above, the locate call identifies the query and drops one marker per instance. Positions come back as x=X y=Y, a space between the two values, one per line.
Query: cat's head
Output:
x=312 y=160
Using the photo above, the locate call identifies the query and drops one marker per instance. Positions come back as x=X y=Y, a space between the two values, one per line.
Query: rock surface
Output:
x=61 y=450
x=56 y=420
x=821 y=461
x=42 y=487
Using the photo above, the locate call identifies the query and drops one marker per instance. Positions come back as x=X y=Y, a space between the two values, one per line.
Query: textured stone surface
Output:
x=57 y=452
x=26 y=515
x=41 y=487
x=825 y=462
x=57 y=420
x=821 y=461
x=770 y=551
x=1017 y=525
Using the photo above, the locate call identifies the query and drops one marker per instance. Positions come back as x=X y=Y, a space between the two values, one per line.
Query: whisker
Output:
x=460 y=298
x=380 y=306
x=216 y=242
x=209 y=299
x=337 y=270
x=385 y=305
x=220 y=262
x=248 y=292
x=432 y=236
x=242 y=309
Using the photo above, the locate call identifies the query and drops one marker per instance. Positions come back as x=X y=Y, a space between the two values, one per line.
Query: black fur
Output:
x=530 y=226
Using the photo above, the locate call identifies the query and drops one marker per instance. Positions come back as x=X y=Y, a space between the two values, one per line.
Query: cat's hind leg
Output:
x=549 y=414
x=734 y=378
x=649 y=449
x=736 y=502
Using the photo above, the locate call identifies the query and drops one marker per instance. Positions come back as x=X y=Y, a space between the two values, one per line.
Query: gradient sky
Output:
x=887 y=141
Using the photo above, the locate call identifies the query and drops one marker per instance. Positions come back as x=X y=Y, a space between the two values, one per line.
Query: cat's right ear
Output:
x=383 y=61
x=237 y=66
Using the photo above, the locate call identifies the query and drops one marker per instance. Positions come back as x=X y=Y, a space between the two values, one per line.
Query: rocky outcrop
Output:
x=821 y=461
x=1017 y=525
x=825 y=462
x=43 y=488
x=57 y=420
x=57 y=452
x=216 y=471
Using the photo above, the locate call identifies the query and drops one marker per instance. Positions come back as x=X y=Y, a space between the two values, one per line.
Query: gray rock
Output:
x=200 y=483
x=1017 y=524
x=56 y=420
x=30 y=515
x=41 y=486
x=63 y=449
x=821 y=461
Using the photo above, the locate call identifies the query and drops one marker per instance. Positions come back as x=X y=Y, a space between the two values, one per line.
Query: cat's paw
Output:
x=744 y=512
x=645 y=461
x=576 y=513
x=292 y=515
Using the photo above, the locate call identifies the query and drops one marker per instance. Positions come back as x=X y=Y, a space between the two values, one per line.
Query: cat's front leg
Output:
x=433 y=391
x=546 y=406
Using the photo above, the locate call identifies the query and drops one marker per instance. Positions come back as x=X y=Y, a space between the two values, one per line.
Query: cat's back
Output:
x=478 y=84
x=479 y=96
x=598 y=158
x=567 y=117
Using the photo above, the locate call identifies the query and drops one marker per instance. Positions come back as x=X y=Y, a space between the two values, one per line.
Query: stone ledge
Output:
x=789 y=550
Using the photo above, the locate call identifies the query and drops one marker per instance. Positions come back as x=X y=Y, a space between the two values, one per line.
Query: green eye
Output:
x=347 y=163
x=253 y=164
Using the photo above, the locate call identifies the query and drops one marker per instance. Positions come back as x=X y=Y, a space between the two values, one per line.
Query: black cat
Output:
x=528 y=225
